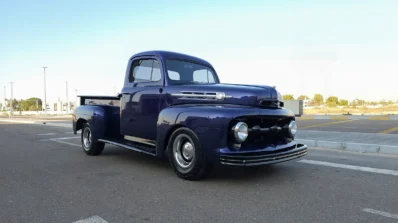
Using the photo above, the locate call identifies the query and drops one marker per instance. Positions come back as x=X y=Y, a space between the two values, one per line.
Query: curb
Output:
x=352 y=147
x=38 y=123
x=57 y=125
x=17 y=121
x=349 y=117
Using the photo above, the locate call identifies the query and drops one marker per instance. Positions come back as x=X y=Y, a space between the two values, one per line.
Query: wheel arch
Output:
x=80 y=123
x=168 y=135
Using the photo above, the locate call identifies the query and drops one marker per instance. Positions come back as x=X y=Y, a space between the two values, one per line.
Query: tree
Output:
x=358 y=102
x=332 y=99
x=373 y=103
x=303 y=97
x=317 y=100
x=14 y=103
x=343 y=102
x=30 y=104
x=288 y=97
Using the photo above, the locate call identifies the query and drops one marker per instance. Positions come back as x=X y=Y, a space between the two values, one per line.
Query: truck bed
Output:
x=103 y=111
x=99 y=100
x=111 y=121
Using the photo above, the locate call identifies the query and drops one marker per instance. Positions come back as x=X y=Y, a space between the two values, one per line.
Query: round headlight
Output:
x=241 y=131
x=293 y=128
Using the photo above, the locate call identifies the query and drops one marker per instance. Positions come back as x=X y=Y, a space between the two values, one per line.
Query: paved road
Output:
x=54 y=181
x=364 y=126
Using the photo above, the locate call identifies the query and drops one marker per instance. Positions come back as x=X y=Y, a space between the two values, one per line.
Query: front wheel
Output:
x=90 y=143
x=186 y=155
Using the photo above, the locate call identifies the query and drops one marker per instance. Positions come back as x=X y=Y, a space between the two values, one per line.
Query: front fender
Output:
x=209 y=122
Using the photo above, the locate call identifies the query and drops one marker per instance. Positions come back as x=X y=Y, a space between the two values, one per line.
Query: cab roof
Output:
x=164 y=55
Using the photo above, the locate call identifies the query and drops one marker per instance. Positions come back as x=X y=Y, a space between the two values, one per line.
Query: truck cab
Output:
x=173 y=105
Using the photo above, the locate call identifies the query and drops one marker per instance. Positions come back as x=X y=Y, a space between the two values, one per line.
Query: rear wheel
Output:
x=90 y=143
x=186 y=155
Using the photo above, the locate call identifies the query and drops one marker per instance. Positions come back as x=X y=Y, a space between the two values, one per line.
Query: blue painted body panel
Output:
x=152 y=111
x=104 y=119
x=139 y=112
x=210 y=123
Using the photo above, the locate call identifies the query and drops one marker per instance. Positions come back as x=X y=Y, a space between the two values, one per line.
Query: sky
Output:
x=344 y=48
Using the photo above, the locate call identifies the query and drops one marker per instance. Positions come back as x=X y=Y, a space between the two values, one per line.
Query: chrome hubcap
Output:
x=87 y=138
x=187 y=151
x=184 y=151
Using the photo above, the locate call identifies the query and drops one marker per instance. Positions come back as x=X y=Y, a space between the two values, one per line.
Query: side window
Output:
x=156 y=75
x=203 y=76
x=174 y=75
x=145 y=70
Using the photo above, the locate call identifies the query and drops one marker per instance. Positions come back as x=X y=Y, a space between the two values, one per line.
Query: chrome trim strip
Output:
x=140 y=140
x=126 y=146
x=195 y=95
x=201 y=95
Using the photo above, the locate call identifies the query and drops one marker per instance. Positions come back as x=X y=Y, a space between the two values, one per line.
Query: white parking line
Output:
x=68 y=143
x=93 y=219
x=351 y=167
x=382 y=213
x=63 y=138
x=47 y=134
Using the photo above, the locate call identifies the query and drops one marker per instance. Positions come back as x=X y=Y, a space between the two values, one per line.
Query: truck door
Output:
x=141 y=99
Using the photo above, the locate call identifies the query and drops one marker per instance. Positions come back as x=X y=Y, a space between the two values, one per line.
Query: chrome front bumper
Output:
x=263 y=158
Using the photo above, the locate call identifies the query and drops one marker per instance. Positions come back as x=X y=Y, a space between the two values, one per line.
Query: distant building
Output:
x=58 y=107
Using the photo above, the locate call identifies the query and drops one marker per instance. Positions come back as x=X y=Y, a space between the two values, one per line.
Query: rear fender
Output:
x=104 y=120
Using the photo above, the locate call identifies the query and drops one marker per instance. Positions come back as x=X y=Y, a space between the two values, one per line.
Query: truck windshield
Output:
x=183 y=72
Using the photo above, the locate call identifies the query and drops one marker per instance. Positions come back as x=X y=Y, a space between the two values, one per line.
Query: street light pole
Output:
x=5 y=97
x=67 y=99
x=12 y=98
x=45 y=94
x=75 y=99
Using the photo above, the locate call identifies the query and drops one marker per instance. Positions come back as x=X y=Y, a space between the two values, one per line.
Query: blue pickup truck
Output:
x=173 y=105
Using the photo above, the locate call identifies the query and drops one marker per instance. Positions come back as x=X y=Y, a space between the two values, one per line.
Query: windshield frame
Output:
x=178 y=82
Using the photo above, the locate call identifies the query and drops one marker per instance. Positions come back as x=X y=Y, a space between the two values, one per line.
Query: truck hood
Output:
x=239 y=94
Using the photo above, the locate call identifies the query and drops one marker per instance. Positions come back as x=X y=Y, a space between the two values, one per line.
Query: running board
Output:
x=120 y=143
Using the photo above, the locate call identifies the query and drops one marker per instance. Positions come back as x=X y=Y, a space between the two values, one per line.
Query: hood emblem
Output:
x=201 y=95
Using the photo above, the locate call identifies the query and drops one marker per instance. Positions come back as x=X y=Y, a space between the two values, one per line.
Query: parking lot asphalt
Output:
x=46 y=177
x=364 y=126
x=361 y=126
